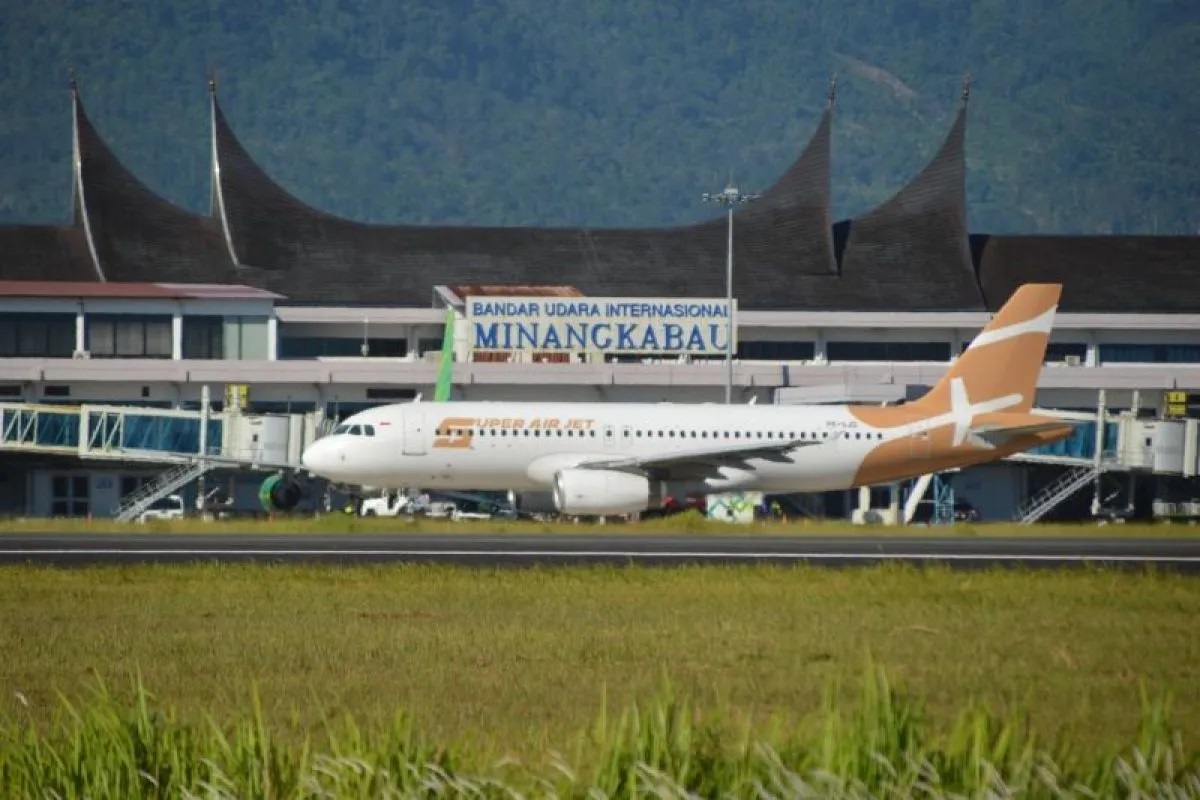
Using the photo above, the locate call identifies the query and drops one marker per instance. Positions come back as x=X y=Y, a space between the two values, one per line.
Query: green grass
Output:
x=881 y=746
x=517 y=661
x=690 y=522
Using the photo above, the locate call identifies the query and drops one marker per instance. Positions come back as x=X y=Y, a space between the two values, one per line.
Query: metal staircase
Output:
x=324 y=428
x=1054 y=493
x=148 y=494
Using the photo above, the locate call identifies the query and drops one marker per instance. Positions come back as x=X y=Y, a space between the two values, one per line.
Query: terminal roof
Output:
x=130 y=291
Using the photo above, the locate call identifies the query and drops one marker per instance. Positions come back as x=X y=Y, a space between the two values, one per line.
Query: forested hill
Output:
x=1084 y=115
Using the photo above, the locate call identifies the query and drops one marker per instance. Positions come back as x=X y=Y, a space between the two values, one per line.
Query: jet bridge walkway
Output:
x=114 y=433
x=1129 y=442
x=187 y=443
x=1100 y=443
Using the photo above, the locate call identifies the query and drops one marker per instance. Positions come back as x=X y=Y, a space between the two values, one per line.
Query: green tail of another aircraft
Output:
x=441 y=392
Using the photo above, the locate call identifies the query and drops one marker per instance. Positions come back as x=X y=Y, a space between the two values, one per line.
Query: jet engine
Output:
x=280 y=492
x=603 y=491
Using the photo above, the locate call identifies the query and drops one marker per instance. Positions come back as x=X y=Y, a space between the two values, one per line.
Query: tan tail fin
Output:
x=1000 y=368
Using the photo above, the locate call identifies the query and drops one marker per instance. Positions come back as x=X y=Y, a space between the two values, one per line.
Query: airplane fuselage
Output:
x=522 y=445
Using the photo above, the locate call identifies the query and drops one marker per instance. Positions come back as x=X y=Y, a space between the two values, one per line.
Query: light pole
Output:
x=729 y=197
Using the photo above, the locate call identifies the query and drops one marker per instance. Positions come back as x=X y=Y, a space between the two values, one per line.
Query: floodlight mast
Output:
x=729 y=197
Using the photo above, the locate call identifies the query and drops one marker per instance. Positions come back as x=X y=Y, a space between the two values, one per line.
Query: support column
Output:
x=80 y=330
x=893 y=504
x=205 y=399
x=177 y=335
x=1098 y=445
x=272 y=337
x=320 y=412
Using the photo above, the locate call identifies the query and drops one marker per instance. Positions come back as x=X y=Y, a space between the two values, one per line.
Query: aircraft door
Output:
x=414 y=432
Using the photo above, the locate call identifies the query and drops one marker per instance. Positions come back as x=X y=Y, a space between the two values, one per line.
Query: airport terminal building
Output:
x=140 y=334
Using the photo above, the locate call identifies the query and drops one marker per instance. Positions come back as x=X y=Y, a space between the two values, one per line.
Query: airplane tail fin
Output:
x=1000 y=367
x=443 y=387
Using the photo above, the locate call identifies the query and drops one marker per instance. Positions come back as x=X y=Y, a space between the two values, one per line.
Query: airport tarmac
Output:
x=650 y=549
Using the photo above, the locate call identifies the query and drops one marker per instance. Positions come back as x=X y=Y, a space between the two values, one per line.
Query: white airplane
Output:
x=598 y=458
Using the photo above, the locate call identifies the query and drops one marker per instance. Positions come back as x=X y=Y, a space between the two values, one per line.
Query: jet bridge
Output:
x=1101 y=444
x=1105 y=443
x=186 y=443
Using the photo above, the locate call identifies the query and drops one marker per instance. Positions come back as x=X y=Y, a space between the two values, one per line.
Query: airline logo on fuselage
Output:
x=456 y=432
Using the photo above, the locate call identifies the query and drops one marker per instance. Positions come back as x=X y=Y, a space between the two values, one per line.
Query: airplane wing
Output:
x=996 y=435
x=701 y=460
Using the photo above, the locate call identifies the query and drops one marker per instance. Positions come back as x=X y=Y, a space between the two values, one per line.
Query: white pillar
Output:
x=1092 y=354
x=819 y=345
x=80 y=331
x=272 y=337
x=177 y=335
x=864 y=498
x=205 y=401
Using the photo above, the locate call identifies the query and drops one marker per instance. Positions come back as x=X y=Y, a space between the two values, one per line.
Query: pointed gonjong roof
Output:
x=136 y=235
x=911 y=253
x=780 y=239
x=916 y=243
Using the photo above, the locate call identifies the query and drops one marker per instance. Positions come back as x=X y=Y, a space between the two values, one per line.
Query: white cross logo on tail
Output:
x=963 y=411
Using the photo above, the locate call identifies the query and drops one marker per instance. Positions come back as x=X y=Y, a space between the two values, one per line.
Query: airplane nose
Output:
x=319 y=457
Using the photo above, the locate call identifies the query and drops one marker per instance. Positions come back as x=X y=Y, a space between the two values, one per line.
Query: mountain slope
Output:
x=1083 y=115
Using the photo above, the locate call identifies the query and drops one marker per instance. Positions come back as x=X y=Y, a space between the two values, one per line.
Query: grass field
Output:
x=518 y=665
x=684 y=523
x=518 y=660
x=880 y=747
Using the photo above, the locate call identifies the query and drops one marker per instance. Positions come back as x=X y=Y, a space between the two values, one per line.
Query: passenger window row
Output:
x=784 y=435
x=660 y=434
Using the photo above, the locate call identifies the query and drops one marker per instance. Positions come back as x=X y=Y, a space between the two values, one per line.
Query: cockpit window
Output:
x=355 y=430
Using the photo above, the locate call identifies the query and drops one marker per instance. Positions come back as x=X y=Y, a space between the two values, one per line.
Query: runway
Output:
x=673 y=550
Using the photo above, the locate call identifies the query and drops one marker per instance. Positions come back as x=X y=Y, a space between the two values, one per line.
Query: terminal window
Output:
x=1057 y=352
x=69 y=496
x=389 y=393
x=204 y=337
x=131 y=483
x=1150 y=353
x=888 y=351
x=129 y=336
x=317 y=346
x=37 y=335
x=426 y=345
x=776 y=351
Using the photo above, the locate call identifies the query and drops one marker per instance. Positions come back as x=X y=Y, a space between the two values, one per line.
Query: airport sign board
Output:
x=1179 y=404
x=610 y=325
